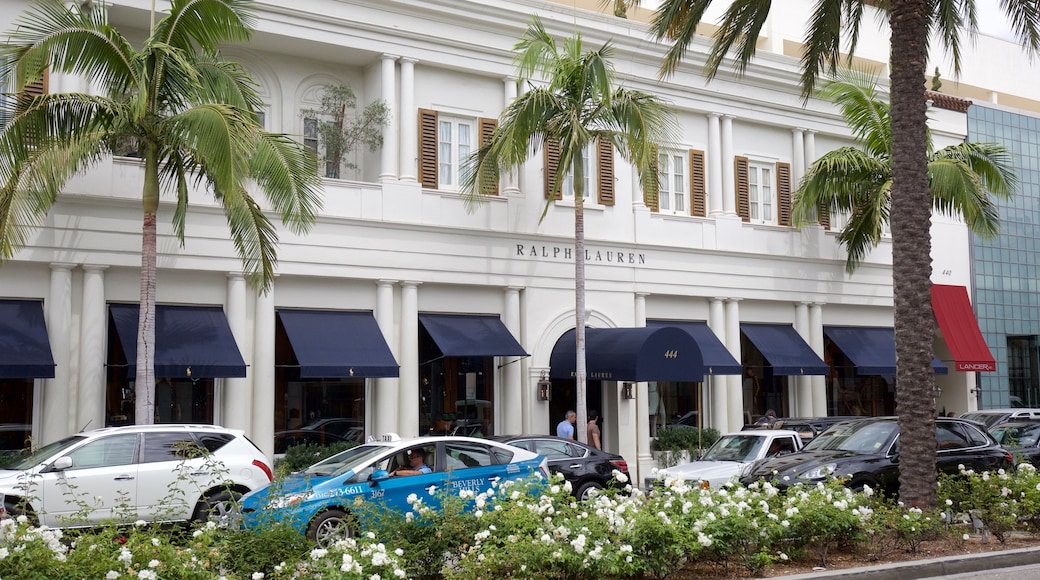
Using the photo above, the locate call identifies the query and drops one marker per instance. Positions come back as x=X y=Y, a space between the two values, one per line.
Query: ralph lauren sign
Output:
x=566 y=253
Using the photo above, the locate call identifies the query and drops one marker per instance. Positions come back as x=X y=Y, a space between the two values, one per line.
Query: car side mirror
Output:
x=61 y=463
x=379 y=475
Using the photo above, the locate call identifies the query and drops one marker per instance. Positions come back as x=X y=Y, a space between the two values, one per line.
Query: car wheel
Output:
x=18 y=508
x=330 y=526
x=220 y=508
x=585 y=490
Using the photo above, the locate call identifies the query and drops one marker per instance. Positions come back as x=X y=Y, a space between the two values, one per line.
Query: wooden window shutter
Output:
x=552 y=163
x=487 y=130
x=743 y=187
x=33 y=90
x=650 y=192
x=605 y=161
x=783 y=194
x=823 y=215
x=698 y=189
x=428 y=148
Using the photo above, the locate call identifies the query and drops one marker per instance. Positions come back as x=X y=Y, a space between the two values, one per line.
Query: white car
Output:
x=727 y=458
x=125 y=474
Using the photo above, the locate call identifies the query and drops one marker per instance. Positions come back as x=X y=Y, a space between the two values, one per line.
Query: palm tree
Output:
x=579 y=106
x=912 y=22
x=857 y=181
x=191 y=115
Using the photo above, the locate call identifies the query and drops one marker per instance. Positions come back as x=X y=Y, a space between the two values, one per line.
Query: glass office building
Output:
x=1007 y=266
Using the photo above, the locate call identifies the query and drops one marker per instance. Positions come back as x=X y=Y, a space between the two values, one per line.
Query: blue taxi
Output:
x=318 y=500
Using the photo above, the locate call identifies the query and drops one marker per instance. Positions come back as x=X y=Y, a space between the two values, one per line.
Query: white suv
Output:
x=126 y=474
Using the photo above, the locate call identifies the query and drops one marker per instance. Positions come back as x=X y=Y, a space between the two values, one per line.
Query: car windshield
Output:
x=350 y=459
x=28 y=459
x=1016 y=435
x=858 y=437
x=734 y=448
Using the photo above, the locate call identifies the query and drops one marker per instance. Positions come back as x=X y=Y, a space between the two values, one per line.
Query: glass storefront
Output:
x=16 y=407
x=456 y=393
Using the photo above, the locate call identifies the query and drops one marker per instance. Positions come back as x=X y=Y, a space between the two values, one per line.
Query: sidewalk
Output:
x=934 y=568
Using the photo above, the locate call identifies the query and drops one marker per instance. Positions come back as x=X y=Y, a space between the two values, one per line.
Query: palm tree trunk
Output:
x=144 y=389
x=911 y=255
x=580 y=372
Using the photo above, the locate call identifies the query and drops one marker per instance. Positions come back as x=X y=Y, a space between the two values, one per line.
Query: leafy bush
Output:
x=300 y=457
x=684 y=439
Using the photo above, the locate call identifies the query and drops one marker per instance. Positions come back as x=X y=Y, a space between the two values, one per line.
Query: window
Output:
x=598 y=177
x=760 y=193
x=311 y=140
x=454 y=145
x=463 y=455
x=671 y=182
x=106 y=452
x=445 y=143
x=763 y=191
x=170 y=447
x=567 y=191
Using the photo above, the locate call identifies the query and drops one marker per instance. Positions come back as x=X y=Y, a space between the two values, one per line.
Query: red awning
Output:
x=960 y=329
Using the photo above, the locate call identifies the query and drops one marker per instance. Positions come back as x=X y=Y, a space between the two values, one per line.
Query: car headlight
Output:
x=821 y=472
x=285 y=501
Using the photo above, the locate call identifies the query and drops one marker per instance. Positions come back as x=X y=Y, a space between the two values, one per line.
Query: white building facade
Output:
x=402 y=312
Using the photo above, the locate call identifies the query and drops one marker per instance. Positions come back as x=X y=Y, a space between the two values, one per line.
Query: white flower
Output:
x=112 y=575
x=4 y=553
x=147 y=575
x=965 y=537
x=153 y=563
x=257 y=575
x=140 y=523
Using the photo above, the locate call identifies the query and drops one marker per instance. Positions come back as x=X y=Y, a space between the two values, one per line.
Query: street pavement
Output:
x=1017 y=564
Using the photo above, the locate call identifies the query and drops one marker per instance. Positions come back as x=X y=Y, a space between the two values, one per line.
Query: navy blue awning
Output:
x=186 y=337
x=471 y=335
x=25 y=349
x=784 y=348
x=630 y=354
x=872 y=349
x=717 y=360
x=338 y=343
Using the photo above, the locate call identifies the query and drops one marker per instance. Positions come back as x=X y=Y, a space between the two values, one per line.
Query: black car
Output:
x=283 y=440
x=866 y=451
x=586 y=467
x=1021 y=437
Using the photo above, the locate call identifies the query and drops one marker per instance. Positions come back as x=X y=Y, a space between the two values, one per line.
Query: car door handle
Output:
x=124 y=477
x=494 y=478
x=575 y=465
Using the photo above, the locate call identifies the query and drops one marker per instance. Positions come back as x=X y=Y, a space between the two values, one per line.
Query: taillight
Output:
x=265 y=468
x=544 y=468
x=620 y=464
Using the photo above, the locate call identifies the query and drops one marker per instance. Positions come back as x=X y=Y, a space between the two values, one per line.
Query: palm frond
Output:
x=839 y=181
x=741 y=25
x=676 y=21
x=288 y=175
x=206 y=23
x=227 y=82
x=869 y=117
x=253 y=235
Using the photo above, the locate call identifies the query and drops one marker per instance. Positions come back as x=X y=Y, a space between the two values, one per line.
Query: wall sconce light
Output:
x=628 y=390
x=544 y=388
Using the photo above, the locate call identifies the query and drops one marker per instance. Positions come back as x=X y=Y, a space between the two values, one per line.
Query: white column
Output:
x=734 y=384
x=408 y=399
x=510 y=182
x=237 y=396
x=819 y=382
x=810 y=148
x=719 y=397
x=729 y=197
x=645 y=460
x=715 y=189
x=93 y=326
x=263 y=373
x=388 y=88
x=409 y=122
x=383 y=392
x=797 y=156
x=512 y=401
x=800 y=397
x=59 y=399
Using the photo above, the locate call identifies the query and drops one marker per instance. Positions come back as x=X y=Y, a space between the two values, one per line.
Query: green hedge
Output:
x=684 y=439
